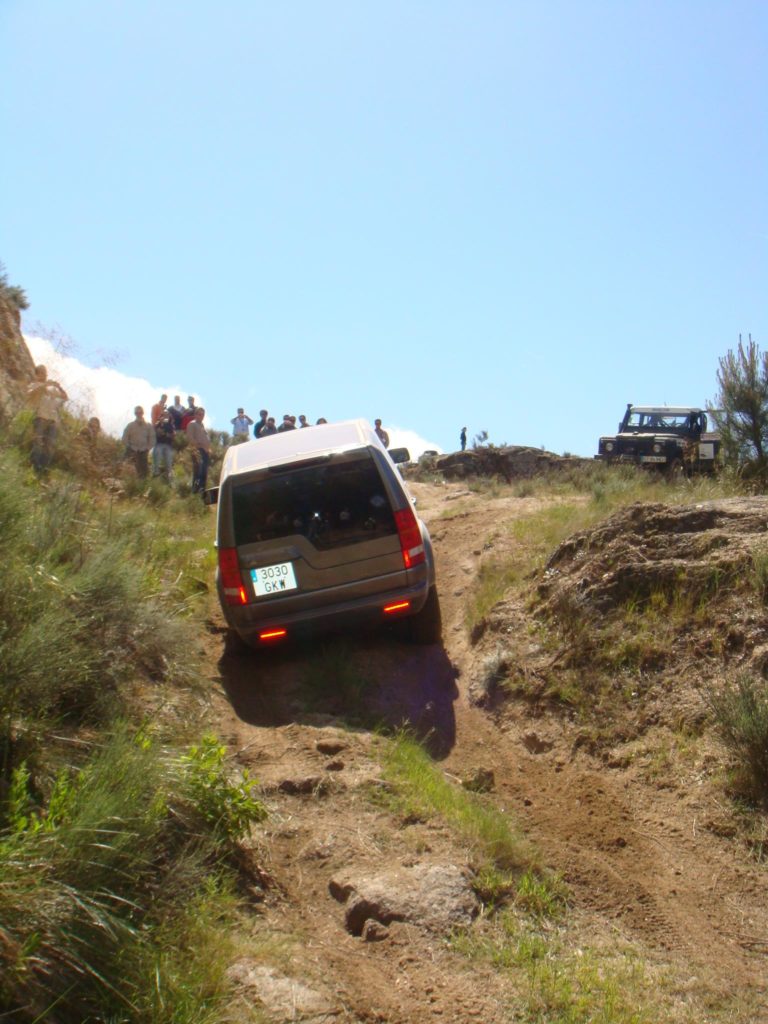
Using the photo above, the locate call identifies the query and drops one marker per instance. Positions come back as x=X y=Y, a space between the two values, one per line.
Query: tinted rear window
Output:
x=332 y=504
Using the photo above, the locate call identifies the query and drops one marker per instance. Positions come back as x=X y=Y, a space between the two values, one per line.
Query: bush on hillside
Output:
x=741 y=415
x=741 y=715
x=106 y=881
x=84 y=609
x=12 y=293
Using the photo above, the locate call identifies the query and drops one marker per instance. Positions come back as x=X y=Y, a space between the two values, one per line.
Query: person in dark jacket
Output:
x=260 y=423
x=162 y=453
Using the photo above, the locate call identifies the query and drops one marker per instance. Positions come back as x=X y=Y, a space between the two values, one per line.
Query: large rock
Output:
x=16 y=364
x=438 y=897
x=283 y=998
x=512 y=462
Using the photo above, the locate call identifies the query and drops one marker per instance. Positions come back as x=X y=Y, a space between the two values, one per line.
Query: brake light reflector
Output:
x=411 y=543
x=273 y=634
x=399 y=606
x=231 y=580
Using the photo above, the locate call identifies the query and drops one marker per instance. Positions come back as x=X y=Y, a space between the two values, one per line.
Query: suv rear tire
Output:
x=234 y=645
x=426 y=627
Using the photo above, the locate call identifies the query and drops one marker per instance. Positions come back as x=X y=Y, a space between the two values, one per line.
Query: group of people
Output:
x=266 y=425
x=155 y=436
x=141 y=437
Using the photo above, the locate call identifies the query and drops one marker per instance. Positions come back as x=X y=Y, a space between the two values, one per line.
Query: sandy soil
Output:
x=651 y=857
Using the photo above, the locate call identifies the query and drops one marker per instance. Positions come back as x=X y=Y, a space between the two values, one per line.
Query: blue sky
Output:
x=512 y=216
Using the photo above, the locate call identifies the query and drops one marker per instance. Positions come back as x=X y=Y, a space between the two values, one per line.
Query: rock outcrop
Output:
x=651 y=548
x=512 y=462
x=16 y=364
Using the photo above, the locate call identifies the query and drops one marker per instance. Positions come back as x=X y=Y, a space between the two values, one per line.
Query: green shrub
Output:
x=80 y=612
x=759 y=573
x=741 y=715
x=110 y=883
x=227 y=806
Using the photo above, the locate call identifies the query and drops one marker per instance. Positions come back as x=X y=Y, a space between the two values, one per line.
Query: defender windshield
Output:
x=332 y=504
x=653 y=422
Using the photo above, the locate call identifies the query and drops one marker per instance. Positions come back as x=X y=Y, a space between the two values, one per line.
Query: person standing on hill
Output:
x=240 y=424
x=157 y=410
x=46 y=398
x=463 y=438
x=260 y=423
x=189 y=412
x=139 y=438
x=200 y=447
x=381 y=433
x=177 y=411
x=162 y=453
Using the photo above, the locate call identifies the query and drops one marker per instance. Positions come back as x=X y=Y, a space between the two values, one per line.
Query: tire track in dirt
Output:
x=620 y=844
x=636 y=865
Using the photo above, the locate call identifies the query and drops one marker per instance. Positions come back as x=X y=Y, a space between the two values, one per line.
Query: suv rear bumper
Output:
x=251 y=620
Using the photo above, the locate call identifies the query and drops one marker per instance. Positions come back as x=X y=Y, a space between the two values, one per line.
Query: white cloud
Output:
x=112 y=396
x=101 y=391
x=401 y=437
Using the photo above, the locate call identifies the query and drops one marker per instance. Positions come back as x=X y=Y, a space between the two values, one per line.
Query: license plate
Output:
x=653 y=458
x=274 y=579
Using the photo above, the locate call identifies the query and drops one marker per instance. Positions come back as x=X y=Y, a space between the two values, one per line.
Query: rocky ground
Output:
x=357 y=905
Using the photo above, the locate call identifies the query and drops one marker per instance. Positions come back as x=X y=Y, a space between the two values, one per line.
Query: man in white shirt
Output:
x=139 y=439
x=240 y=425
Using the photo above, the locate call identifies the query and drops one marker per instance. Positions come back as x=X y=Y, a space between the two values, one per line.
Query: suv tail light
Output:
x=411 y=542
x=231 y=580
x=398 y=606
x=273 y=634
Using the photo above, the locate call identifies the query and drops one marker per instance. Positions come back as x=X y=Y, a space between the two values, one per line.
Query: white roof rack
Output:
x=668 y=410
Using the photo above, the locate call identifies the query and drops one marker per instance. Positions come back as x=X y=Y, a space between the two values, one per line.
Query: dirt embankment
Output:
x=359 y=904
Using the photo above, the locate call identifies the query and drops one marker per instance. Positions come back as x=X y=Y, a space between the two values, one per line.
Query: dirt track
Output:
x=649 y=859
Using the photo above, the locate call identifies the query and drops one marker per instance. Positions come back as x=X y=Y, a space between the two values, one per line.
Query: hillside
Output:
x=16 y=365
x=537 y=822
x=576 y=707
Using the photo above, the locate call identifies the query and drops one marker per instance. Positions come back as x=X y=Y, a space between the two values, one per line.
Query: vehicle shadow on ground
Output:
x=366 y=681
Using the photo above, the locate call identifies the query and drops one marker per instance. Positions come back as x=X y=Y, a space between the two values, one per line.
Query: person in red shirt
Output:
x=189 y=412
x=157 y=410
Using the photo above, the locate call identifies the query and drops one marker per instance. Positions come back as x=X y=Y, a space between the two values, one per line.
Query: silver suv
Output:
x=316 y=531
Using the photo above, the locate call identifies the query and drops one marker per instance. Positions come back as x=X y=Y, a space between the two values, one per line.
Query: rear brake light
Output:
x=411 y=541
x=229 y=574
x=399 y=606
x=273 y=634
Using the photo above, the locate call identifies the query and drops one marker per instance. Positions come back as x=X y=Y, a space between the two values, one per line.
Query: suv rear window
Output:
x=335 y=503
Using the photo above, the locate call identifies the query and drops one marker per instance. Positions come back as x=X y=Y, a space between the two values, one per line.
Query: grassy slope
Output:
x=118 y=824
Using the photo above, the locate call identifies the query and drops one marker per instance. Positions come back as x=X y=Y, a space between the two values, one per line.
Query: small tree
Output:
x=742 y=413
x=11 y=292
